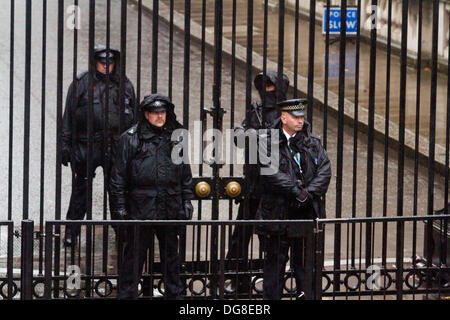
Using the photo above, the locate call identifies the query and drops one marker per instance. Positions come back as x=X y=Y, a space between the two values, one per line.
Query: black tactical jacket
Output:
x=145 y=183
x=260 y=117
x=75 y=117
x=278 y=200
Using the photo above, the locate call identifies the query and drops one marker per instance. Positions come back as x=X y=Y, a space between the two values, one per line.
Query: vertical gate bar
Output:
x=418 y=96
x=155 y=29
x=89 y=173
x=370 y=135
x=281 y=13
x=386 y=134
x=232 y=107
x=203 y=122
x=447 y=164
x=136 y=262
x=217 y=124
x=233 y=79
x=340 y=147
x=11 y=108
x=48 y=260
x=250 y=262
x=139 y=54
x=319 y=254
x=265 y=35
x=279 y=85
x=355 y=130
x=26 y=274
x=186 y=90
x=360 y=253
x=248 y=95
x=59 y=108
x=59 y=102
x=417 y=135
x=432 y=138
x=309 y=249
x=89 y=244
x=206 y=257
x=171 y=48
x=123 y=60
x=106 y=146
x=296 y=30
x=27 y=97
x=222 y=261
x=312 y=32
x=249 y=60
x=399 y=259
x=187 y=57
x=10 y=261
x=73 y=122
x=42 y=171
x=401 y=152
x=90 y=111
x=327 y=64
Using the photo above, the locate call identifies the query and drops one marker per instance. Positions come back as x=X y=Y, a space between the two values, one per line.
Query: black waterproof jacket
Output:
x=279 y=189
x=75 y=119
x=145 y=183
x=261 y=117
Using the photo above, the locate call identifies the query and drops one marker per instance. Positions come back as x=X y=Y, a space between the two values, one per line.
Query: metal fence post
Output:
x=26 y=275
x=318 y=260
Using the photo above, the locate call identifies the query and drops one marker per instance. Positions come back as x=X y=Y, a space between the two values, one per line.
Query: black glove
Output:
x=302 y=197
x=120 y=214
x=65 y=157
x=188 y=209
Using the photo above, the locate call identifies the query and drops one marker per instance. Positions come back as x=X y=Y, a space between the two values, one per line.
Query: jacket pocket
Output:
x=142 y=204
x=174 y=207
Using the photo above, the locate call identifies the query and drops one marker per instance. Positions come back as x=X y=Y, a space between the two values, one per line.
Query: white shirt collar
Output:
x=287 y=135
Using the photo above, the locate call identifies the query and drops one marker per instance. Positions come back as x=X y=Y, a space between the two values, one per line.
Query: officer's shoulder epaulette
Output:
x=82 y=75
x=317 y=137
x=132 y=130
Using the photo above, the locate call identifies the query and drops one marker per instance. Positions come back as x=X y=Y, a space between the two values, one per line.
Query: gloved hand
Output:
x=188 y=209
x=65 y=157
x=120 y=214
x=303 y=197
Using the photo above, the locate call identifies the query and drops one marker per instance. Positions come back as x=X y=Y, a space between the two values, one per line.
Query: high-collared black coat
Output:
x=261 y=117
x=145 y=183
x=108 y=113
x=280 y=188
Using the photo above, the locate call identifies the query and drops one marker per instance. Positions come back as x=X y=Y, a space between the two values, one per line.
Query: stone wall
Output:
x=382 y=25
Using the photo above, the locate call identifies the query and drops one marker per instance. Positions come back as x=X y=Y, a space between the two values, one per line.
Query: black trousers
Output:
x=169 y=256
x=78 y=198
x=276 y=257
x=240 y=239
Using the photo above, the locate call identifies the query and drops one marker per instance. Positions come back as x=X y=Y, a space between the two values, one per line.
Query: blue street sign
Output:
x=335 y=20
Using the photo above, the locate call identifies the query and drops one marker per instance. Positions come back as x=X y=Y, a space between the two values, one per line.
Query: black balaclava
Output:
x=271 y=97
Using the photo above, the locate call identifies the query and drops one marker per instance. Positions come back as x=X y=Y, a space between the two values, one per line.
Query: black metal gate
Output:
x=204 y=55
